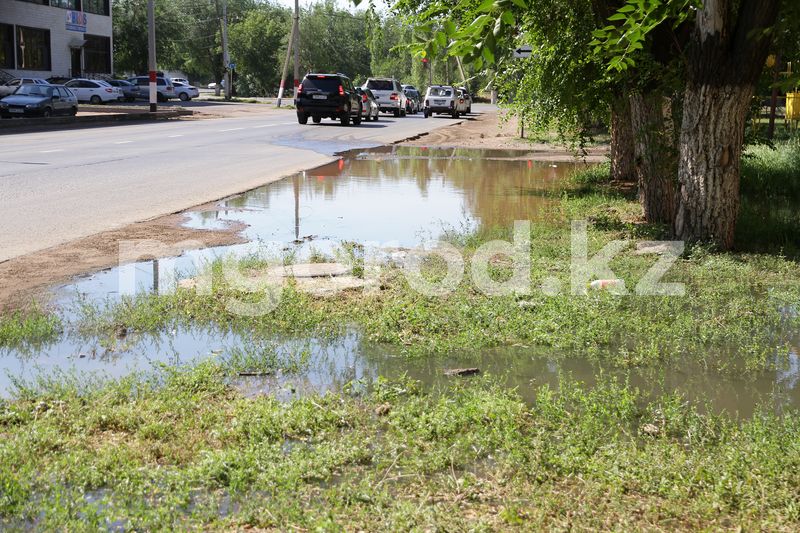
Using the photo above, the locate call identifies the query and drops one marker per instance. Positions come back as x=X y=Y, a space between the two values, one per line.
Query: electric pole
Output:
x=151 y=55
x=296 y=46
x=225 y=57
x=286 y=63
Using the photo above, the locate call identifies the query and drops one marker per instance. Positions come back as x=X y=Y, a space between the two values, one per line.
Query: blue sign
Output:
x=76 y=21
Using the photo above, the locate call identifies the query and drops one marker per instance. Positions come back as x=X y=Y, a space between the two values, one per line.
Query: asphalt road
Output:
x=62 y=185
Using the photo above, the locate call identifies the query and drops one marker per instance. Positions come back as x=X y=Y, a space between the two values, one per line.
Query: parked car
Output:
x=328 y=96
x=370 y=106
x=93 y=91
x=130 y=92
x=181 y=80
x=414 y=99
x=444 y=99
x=58 y=80
x=164 y=88
x=389 y=95
x=213 y=85
x=185 y=91
x=39 y=100
x=11 y=85
x=467 y=99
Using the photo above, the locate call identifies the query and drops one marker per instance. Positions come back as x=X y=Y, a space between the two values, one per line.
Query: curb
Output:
x=57 y=123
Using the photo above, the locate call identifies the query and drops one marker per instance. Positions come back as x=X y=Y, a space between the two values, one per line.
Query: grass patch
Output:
x=180 y=449
x=32 y=327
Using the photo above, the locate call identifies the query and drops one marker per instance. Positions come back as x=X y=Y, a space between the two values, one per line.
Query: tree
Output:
x=257 y=44
x=130 y=35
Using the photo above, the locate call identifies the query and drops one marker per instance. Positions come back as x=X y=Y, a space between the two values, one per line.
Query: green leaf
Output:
x=486 y=6
x=508 y=18
x=520 y=4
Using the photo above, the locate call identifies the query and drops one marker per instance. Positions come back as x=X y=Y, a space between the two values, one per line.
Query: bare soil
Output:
x=498 y=131
x=24 y=280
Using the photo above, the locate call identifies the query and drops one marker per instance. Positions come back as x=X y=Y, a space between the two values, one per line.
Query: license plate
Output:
x=13 y=110
x=319 y=97
x=438 y=102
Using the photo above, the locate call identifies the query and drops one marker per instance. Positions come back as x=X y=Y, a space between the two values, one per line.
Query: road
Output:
x=62 y=185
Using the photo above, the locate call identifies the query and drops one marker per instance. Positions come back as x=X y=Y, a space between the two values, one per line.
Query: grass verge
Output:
x=181 y=449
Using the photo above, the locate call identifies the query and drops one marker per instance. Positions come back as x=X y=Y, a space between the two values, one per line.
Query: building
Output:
x=44 y=38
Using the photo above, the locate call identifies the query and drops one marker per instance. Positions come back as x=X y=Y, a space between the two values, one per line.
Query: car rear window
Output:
x=380 y=85
x=323 y=84
x=441 y=91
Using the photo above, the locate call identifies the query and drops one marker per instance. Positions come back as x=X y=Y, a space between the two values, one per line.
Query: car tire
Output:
x=317 y=119
x=426 y=113
x=469 y=110
x=396 y=113
x=455 y=114
x=160 y=98
x=184 y=97
x=47 y=113
x=73 y=111
x=357 y=119
x=375 y=118
x=95 y=100
x=302 y=118
x=345 y=118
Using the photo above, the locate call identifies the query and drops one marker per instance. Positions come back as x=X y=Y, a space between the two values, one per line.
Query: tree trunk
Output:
x=712 y=137
x=656 y=156
x=729 y=46
x=622 y=151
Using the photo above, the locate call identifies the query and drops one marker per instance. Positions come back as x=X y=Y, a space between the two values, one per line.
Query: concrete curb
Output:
x=59 y=123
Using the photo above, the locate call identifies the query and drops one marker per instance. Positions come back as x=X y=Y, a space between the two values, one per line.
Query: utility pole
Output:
x=225 y=57
x=296 y=46
x=286 y=63
x=151 y=55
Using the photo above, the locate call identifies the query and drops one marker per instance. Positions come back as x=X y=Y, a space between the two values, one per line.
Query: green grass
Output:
x=32 y=327
x=181 y=449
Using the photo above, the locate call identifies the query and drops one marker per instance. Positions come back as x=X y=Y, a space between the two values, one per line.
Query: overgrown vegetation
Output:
x=181 y=449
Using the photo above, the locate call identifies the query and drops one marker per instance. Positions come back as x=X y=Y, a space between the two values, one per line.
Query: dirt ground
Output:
x=494 y=131
x=24 y=280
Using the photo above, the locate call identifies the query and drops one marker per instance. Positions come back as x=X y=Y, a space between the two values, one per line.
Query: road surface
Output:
x=62 y=185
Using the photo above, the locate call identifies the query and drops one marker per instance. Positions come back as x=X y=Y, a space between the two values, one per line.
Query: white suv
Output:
x=389 y=95
x=444 y=100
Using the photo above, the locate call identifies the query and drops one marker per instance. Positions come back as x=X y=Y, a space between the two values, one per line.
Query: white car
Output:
x=389 y=95
x=444 y=100
x=94 y=91
x=185 y=91
x=181 y=80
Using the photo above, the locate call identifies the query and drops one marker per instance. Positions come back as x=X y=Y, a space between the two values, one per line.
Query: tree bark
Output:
x=656 y=155
x=622 y=150
x=729 y=46
x=712 y=138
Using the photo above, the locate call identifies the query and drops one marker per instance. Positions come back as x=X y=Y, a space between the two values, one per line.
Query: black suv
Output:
x=328 y=96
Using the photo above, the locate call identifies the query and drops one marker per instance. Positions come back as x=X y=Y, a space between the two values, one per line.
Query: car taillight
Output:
x=461 y=101
x=393 y=96
x=109 y=90
x=363 y=97
x=300 y=88
x=341 y=90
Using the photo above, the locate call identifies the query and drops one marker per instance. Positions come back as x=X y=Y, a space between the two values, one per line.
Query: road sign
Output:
x=232 y=66
x=523 y=51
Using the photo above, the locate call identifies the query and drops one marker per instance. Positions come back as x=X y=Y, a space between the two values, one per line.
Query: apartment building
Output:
x=44 y=38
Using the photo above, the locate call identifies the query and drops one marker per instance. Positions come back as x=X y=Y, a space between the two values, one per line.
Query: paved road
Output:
x=62 y=185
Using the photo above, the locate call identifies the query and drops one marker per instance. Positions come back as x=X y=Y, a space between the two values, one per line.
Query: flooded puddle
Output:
x=395 y=196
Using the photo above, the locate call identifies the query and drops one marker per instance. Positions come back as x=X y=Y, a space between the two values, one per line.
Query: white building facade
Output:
x=44 y=38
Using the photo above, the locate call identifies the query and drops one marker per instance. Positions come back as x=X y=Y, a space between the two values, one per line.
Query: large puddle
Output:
x=396 y=197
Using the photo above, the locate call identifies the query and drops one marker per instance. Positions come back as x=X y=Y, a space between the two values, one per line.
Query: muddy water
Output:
x=394 y=196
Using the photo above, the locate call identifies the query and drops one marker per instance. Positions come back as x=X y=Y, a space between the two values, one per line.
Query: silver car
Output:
x=388 y=94
x=39 y=101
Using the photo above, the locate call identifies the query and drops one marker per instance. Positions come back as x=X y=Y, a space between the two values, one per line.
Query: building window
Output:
x=74 y=5
x=33 y=48
x=100 y=7
x=42 y=2
x=97 y=54
x=6 y=46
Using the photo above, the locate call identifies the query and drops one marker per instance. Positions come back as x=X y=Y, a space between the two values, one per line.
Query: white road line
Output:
x=232 y=129
x=51 y=151
x=174 y=136
x=123 y=142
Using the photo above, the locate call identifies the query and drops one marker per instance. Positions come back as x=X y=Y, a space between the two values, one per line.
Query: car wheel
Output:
x=184 y=97
x=73 y=111
x=95 y=100
x=469 y=110
x=317 y=119
x=375 y=118
x=357 y=119
x=160 y=97
x=426 y=113
x=302 y=118
x=345 y=118
x=455 y=114
x=396 y=113
x=47 y=113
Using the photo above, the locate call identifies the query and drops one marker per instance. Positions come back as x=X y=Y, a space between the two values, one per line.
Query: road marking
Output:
x=232 y=129
x=51 y=151
x=123 y=142
x=174 y=136
x=273 y=125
